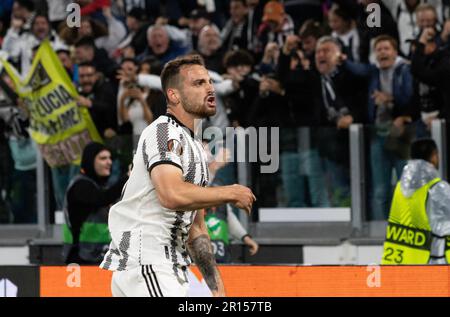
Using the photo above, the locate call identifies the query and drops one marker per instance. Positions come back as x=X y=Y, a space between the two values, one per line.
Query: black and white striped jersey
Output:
x=143 y=232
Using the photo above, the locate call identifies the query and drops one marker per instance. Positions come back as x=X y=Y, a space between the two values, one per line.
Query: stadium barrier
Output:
x=244 y=281
x=274 y=281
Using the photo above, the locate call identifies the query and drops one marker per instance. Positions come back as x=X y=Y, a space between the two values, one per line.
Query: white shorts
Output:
x=148 y=281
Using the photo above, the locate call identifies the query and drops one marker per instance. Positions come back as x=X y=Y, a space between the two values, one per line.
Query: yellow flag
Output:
x=58 y=125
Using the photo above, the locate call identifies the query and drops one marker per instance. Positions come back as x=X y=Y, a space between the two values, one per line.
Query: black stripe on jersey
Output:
x=151 y=281
x=156 y=281
x=162 y=139
x=192 y=170
x=146 y=281
x=124 y=245
x=144 y=153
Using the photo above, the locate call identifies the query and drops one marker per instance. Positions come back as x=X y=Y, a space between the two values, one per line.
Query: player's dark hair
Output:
x=423 y=149
x=171 y=71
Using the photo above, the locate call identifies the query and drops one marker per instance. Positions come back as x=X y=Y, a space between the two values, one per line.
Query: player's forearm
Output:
x=190 y=197
x=201 y=252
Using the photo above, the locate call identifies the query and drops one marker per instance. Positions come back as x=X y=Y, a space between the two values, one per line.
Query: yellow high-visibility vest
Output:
x=408 y=234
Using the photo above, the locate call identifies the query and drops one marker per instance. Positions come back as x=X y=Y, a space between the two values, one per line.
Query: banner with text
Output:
x=58 y=125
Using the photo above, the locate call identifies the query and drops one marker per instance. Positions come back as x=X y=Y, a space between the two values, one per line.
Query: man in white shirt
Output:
x=157 y=227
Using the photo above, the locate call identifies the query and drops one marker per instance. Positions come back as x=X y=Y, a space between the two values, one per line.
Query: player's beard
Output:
x=199 y=110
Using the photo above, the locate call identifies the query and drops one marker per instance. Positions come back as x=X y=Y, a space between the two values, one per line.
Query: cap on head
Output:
x=273 y=11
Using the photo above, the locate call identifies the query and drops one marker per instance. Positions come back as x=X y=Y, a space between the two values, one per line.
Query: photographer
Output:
x=239 y=66
x=133 y=108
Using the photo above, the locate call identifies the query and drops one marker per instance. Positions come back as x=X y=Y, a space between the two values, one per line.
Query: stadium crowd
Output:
x=310 y=67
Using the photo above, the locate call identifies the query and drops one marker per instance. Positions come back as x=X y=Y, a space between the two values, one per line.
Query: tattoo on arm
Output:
x=201 y=252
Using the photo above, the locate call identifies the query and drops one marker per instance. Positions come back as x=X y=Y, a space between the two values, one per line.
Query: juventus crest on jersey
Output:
x=144 y=232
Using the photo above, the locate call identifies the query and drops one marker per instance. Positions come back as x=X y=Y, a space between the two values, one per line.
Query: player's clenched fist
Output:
x=242 y=197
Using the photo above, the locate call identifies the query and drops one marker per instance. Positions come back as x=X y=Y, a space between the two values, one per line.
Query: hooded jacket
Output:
x=88 y=197
x=416 y=174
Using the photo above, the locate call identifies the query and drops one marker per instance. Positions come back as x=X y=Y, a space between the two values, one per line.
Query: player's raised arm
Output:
x=176 y=194
x=200 y=249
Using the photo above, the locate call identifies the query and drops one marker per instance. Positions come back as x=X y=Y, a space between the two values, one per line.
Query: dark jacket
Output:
x=297 y=83
x=88 y=200
x=437 y=75
x=402 y=87
x=104 y=106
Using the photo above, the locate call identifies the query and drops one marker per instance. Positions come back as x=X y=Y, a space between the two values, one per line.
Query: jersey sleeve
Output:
x=163 y=146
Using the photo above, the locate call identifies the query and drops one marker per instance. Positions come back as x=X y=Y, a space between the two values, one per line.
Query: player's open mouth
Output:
x=211 y=101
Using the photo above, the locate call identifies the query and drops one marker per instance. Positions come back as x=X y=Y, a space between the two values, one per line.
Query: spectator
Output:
x=403 y=12
x=137 y=28
x=86 y=234
x=23 y=12
x=70 y=67
x=161 y=46
x=87 y=52
x=209 y=47
x=22 y=194
x=199 y=18
x=429 y=92
x=20 y=46
x=234 y=35
x=239 y=66
x=106 y=37
x=433 y=69
x=390 y=110
x=339 y=95
x=343 y=25
x=302 y=174
x=308 y=34
x=97 y=94
x=387 y=26
x=133 y=107
x=255 y=14
x=57 y=12
x=275 y=26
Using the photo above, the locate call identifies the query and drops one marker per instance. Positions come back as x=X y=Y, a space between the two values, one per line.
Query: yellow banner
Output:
x=58 y=125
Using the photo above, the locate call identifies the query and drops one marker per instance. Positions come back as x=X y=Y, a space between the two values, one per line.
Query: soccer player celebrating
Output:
x=157 y=227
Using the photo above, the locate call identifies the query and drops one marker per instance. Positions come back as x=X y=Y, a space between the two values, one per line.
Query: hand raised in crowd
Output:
x=270 y=85
x=427 y=35
x=162 y=21
x=271 y=53
x=382 y=98
x=445 y=31
x=84 y=102
x=344 y=122
x=126 y=77
x=134 y=93
x=16 y=23
x=291 y=43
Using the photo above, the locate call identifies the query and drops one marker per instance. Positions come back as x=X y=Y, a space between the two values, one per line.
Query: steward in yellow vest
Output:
x=418 y=230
